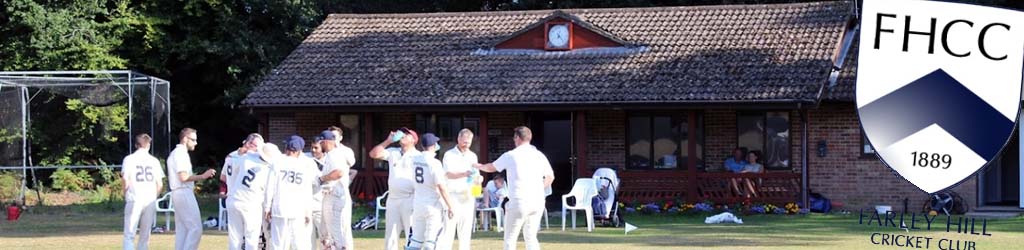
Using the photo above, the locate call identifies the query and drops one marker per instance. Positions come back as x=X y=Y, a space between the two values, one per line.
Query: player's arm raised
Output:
x=380 y=151
x=488 y=167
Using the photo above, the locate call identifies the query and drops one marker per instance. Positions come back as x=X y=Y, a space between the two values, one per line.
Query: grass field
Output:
x=98 y=226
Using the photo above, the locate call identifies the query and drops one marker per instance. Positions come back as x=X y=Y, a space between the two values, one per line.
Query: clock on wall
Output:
x=558 y=37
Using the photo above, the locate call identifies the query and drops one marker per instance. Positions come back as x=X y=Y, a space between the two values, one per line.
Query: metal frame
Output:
x=124 y=80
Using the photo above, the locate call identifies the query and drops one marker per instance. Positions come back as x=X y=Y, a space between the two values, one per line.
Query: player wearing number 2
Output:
x=430 y=191
x=143 y=180
x=248 y=193
x=290 y=197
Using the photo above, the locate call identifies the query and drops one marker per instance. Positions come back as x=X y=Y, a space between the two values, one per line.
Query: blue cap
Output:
x=429 y=139
x=327 y=135
x=294 y=143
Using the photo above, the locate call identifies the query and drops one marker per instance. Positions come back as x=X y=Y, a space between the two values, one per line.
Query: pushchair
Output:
x=606 y=212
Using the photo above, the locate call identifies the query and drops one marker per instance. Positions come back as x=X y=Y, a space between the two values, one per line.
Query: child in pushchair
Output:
x=605 y=210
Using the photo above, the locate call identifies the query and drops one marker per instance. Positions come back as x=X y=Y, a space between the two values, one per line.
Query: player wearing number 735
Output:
x=290 y=197
x=143 y=180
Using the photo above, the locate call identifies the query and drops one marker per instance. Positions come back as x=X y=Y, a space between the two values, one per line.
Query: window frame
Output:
x=765 y=137
x=682 y=163
x=864 y=144
x=360 y=155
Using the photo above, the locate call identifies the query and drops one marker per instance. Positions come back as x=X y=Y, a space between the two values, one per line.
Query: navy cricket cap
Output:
x=327 y=135
x=295 y=143
x=429 y=139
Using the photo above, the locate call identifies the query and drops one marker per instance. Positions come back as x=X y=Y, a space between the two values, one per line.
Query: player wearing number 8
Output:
x=143 y=180
x=428 y=216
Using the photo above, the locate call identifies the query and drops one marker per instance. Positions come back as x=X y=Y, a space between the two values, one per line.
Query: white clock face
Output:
x=558 y=36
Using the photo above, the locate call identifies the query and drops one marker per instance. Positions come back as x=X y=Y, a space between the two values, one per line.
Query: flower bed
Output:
x=677 y=206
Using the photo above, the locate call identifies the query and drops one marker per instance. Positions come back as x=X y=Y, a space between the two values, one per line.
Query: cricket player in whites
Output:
x=187 y=221
x=430 y=191
x=458 y=164
x=290 y=197
x=528 y=174
x=400 y=182
x=337 y=202
x=247 y=194
x=143 y=180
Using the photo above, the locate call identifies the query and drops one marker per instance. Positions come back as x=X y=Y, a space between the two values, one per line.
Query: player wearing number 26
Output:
x=143 y=180
x=246 y=198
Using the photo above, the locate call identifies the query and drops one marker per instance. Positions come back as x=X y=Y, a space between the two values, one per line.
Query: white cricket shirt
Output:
x=178 y=162
x=291 y=187
x=427 y=174
x=525 y=168
x=459 y=162
x=250 y=185
x=400 y=172
x=144 y=171
x=342 y=159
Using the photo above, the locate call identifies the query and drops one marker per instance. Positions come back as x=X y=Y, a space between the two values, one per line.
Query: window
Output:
x=351 y=138
x=447 y=128
x=660 y=141
x=767 y=132
x=866 y=148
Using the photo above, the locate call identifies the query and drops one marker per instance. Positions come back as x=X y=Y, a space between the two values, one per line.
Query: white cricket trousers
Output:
x=138 y=217
x=188 y=227
x=245 y=225
x=526 y=218
x=289 y=233
x=316 y=229
x=399 y=219
x=461 y=224
x=426 y=227
x=337 y=213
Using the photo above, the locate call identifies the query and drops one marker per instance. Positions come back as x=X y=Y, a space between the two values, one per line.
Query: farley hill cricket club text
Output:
x=923 y=221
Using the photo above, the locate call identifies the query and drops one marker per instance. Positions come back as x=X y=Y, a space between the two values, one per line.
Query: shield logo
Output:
x=938 y=86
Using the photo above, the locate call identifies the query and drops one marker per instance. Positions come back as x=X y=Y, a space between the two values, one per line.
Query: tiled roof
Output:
x=728 y=53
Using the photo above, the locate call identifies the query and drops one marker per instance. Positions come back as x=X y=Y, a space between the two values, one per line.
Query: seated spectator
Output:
x=753 y=166
x=736 y=163
x=494 y=192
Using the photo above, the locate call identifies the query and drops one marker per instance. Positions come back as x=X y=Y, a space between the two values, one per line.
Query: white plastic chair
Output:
x=222 y=214
x=498 y=217
x=380 y=207
x=583 y=191
x=166 y=210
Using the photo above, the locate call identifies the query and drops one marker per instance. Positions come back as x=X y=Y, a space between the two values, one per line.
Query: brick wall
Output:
x=606 y=139
x=281 y=126
x=843 y=175
x=504 y=121
x=859 y=181
x=719 y=136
